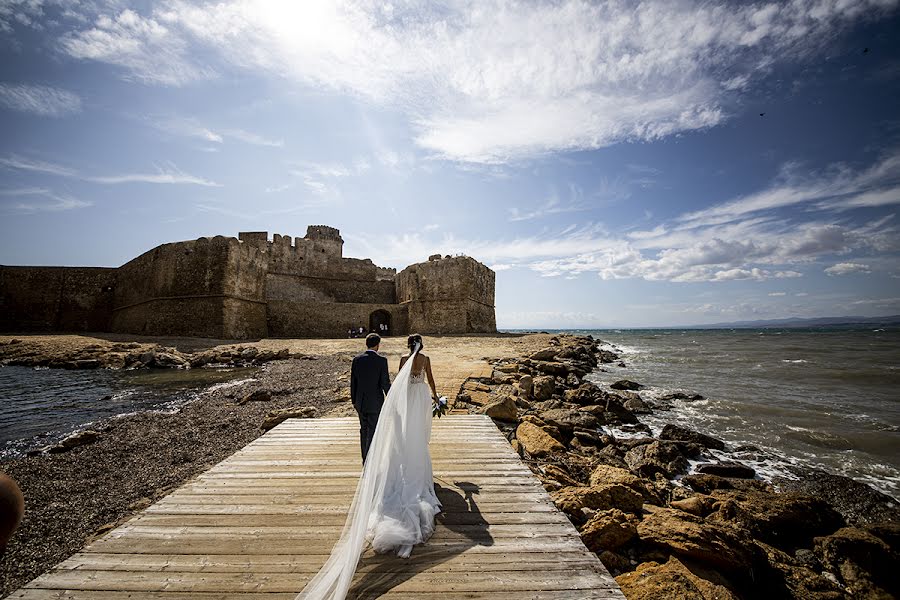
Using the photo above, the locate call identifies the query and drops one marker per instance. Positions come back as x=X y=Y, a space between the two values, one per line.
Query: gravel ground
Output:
x=72 y=498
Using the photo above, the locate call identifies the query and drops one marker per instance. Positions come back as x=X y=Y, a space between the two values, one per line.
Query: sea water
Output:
x=825 y=398
x=40 y=406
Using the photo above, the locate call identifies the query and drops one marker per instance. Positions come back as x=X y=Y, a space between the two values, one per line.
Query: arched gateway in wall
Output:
x=378 y=318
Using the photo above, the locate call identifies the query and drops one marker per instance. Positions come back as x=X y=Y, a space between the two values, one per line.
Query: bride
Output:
x=395 y=504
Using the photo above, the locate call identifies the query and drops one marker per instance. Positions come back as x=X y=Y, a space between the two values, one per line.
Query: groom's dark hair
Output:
x=372 y=340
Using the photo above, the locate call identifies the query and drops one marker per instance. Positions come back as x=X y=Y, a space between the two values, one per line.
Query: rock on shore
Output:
x=719 y=533
x=131 y=355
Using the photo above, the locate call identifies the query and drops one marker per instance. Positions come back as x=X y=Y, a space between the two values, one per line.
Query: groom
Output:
x=369 y=382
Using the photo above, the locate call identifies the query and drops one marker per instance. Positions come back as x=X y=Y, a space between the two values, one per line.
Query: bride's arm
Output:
x=430 y=377
x=402 y=361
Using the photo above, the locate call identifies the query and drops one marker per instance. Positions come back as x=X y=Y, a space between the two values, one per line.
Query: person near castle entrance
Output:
x=369 y=382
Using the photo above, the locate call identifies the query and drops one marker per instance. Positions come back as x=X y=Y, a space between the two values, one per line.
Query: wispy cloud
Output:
x=191 y=128
x=40 y=100
x=553 y=205
x=27 y=164
x=168 y=174
x=547 y=77
x=248 y=137
x=36 y=199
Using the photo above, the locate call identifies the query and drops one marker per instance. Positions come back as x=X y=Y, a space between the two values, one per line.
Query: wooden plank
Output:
x=261 y=523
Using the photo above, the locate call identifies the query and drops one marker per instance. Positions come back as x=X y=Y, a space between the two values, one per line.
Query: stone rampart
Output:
x=56 y=298
x=448 y=295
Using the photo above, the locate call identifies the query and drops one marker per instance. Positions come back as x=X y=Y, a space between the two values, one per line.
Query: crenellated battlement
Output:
x=324 y=232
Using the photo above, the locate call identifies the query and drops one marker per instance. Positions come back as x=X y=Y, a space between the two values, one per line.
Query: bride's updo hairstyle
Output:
x=412 y=341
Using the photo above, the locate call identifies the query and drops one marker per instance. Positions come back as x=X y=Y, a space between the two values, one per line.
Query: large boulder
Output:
x=566 y=419
x=690 y=397
x=549 y=367
x=728 y=468
x=608 y=530
x=859 y=503
x=683 y=434
x=256 y=396
x=545 y=354
x=700 y=505
x=865 y=564
x=74 y=440
x=544 y=387
x=536 y=441
x=799 y=580
x=585 y=394
x=637 y=405
x=526 y=386
x=503 y=409
x=653 y=581
x=615 y=412
x=691 y=537
x=279 y=416
x=705 y=483
x=626 y=384
x=558 y=475
x=656 y=457
x=574 y=499
x=784 y=520
x=608 y=474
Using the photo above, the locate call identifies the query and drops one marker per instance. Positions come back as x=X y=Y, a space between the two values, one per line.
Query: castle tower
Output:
x=448 y=295
x=326 y=241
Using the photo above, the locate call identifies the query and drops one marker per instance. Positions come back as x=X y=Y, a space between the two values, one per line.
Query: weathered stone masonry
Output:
x=251 y=287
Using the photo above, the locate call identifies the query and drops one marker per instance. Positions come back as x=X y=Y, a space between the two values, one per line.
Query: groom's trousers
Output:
x=367 y=423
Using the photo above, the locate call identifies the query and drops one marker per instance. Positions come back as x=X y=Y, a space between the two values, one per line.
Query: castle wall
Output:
x=250 y=288
x=320 y=289
x=182 y=288
x=328 y=319
x=56 y=298
x=448 y=295
x=244 y=305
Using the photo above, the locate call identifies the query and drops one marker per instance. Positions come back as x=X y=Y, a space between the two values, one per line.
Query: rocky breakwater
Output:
x=131 y=355
x=665 y=529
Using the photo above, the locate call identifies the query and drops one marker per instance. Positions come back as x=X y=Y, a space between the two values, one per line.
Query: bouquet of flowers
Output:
x=439 y=407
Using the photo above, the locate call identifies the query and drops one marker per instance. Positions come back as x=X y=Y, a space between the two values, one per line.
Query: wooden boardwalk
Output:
x=259 y=524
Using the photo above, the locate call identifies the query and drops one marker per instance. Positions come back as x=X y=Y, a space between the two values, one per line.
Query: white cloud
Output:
x=777 y=294
x=40 y=100
x=249 y=137
x=758 y=247
x=847 y=268
x=146 y=47
x=546 y=76
x=27 y=164
x=169 y=174
x=40 y=200
x=193 y=129
x=553 y=205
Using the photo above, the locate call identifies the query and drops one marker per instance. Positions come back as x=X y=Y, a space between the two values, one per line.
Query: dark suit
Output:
x=369 y=382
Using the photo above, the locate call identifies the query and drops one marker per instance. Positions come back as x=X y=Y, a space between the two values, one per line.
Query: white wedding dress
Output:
x=395 y=504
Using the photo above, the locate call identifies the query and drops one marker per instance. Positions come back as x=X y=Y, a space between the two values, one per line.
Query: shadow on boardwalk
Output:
x=460 y=515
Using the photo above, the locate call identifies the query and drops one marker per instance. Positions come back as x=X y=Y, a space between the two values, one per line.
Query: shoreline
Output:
x=668 y=532
x=648 y=521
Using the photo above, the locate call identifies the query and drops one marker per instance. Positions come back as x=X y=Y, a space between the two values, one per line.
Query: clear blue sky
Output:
x=618 y=164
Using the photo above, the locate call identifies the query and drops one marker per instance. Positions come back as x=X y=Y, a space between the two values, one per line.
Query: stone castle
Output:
x=251 y=287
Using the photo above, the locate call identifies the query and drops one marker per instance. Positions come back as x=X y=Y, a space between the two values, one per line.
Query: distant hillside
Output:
x=814 y=322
